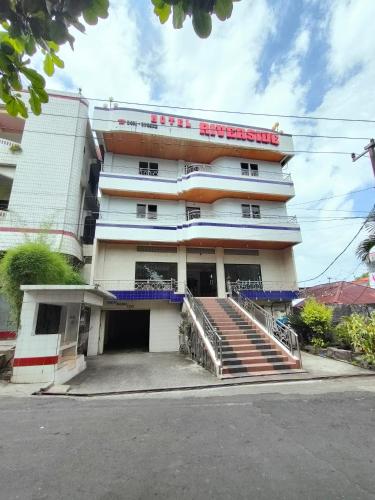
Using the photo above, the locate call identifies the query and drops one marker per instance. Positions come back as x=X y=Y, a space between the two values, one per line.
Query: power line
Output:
x=337 y=257
x=226 y=111
x=165 y=125
x=333 y=196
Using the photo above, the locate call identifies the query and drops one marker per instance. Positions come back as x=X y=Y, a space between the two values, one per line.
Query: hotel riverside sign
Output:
x=209 y=129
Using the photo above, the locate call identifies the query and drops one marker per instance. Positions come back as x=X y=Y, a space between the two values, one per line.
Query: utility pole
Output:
x=370 y=149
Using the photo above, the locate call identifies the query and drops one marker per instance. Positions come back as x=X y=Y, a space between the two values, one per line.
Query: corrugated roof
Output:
x=341 y=292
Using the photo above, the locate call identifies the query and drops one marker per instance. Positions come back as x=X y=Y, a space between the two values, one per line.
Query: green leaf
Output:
x=15 y=81
x=48 y=66
x=58 y=32
x=56 y=60
x=163 y=12
x=22 y=109
x=34 y=101
x=223 y=9
x=101 y=8
x=35 y=78
x=43 y=96
x=202 y=23
x=90 y=16
x=178 y=16
x=12 y=106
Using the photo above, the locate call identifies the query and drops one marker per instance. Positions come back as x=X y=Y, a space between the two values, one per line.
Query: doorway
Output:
x=201 y=279
x=127 y=330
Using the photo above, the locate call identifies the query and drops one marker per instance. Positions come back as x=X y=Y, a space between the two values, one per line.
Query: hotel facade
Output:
x=173 y=218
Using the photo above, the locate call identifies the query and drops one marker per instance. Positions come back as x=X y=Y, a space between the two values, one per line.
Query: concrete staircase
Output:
x=247 y=350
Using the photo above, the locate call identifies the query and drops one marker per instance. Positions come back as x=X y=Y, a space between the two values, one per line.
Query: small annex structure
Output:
x=54 y=334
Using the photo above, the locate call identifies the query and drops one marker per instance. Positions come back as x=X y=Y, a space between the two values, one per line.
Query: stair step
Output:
x=229 y=353
x=254 y=360
x=258 y=367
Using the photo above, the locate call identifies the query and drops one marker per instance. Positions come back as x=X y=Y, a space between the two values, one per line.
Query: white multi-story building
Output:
x=48 y=178
x=188 y=202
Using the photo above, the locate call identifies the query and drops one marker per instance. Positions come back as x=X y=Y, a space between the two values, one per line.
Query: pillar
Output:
x=181 y=269
x=220 y=272
x=94 y=332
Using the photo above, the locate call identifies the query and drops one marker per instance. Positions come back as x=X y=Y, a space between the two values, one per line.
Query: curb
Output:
x=201 y=387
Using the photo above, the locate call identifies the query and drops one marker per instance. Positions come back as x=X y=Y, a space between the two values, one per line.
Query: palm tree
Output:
x=366 y=245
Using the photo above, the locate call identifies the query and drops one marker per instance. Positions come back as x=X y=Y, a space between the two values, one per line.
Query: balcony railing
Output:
x=260 y=285
x=147 y=285
x=210 y=168
x=11 y=145
x=191 y=168
x=3 y=214
x=176 y=219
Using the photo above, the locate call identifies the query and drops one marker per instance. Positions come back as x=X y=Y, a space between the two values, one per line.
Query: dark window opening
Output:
x=244 y=168
x=254 y=169
x=4 y=204
x=89 y=230
x=193 y=213
x=243 y=272
x=148 y=168
x=149 y=211
x=250 y=211
x=158 y=271
x=48 y=321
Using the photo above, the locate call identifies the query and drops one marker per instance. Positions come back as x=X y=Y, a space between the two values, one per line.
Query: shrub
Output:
x=358 y=332
x=304 y=332
x=319 y=318
x=33 y=263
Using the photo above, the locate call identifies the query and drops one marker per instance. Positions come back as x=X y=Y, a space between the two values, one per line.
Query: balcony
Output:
x=204 y=183
x=143 y=289
x=224 y=230
x=265 y=290
x=9 y=152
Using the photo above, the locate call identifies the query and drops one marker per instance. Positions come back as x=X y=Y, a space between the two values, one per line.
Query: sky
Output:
x=288 y=57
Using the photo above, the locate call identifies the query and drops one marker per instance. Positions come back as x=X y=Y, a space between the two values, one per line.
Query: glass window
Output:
x=243 y=272
x=246 y=211
x=193 y=213
x=244 y=168
x=254 y=169
x=146 y=168
x=255 y=211
x=155 y=271
x=141 y=211
x=48 y=321
x=152 y=212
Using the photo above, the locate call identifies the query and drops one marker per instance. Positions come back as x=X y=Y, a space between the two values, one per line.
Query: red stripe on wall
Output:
x=37 y=230
x=7 y=335
x=43 y=360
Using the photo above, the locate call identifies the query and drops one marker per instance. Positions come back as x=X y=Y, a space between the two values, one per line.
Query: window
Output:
x=249 y=169
x=254 y=169
x=148 y=168
x=149 y=211
x=48 y=321
x=250 y=211
x=244 y=272
x=155 y=271
x=193 y=213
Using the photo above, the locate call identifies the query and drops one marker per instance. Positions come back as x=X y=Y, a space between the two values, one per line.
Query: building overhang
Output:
x=128 y=131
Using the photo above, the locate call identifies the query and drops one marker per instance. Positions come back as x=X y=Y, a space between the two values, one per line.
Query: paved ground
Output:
x=305 y=440
x=143 y=371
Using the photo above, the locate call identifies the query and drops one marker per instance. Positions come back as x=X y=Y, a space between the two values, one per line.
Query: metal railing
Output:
x=209 y=330
x=262 y=285
x=210 y=168
x=7 y=142
x=130 y=285
x=274 y=327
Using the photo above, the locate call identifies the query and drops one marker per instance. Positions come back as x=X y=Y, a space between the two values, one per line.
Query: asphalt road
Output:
x=248 y=446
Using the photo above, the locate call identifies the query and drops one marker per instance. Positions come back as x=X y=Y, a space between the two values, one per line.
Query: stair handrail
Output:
x=208 y=328
x=281 y=332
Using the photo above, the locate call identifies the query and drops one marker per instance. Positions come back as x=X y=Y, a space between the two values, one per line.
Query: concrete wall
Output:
x=47 y=185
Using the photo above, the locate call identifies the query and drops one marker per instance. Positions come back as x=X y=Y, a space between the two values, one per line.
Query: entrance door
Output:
x=127 y=330
x=201 y=279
